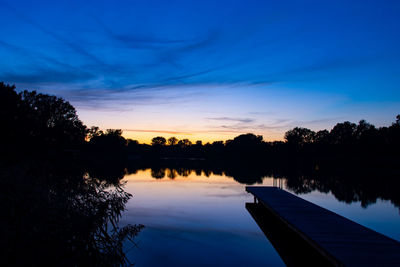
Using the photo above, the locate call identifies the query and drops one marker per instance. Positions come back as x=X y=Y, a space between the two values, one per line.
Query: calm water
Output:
x=196 y=220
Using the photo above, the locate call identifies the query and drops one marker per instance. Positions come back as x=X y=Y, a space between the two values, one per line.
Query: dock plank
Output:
x=341 y=240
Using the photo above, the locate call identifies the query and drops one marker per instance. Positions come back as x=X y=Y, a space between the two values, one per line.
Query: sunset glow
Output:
x=209 y=70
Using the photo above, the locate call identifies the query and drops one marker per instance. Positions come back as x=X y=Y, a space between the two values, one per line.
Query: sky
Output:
x=208 y=70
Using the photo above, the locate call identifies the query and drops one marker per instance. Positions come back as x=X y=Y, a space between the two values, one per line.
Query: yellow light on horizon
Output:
x=143 y=136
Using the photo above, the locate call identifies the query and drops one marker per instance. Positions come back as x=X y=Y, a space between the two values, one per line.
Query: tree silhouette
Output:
x=184 y=143
x=93 y=132
x=12 y=117
x=299 y=136
x=110 y=145
x=53 y=119
x=37 y=123
x=244 y=143
x=131 y=142
x=158 y=141
x=343 y=133
x=218 y=144
x=172 y=141
x=322 y=137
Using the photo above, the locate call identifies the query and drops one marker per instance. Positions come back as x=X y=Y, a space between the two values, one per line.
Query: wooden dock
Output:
x=340 y=241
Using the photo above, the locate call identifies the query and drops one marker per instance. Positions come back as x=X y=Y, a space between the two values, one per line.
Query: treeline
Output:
x=347 y=134
x=37 y=123
x=362 y=141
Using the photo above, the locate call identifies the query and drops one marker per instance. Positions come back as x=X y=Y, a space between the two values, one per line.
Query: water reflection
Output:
x=194 y=221
x=188 y=209
x=56 y=213
x=348 y=183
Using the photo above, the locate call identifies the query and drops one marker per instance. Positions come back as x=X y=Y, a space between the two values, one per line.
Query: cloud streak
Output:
x=73 y=46
x=45 y=76
x=244 y=120
x=157 y=131
x=133 y=40
x=255 y=127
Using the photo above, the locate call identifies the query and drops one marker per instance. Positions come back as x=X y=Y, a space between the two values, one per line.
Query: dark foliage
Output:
x=346 y=140
x=37 y=123
x=56 y=211
x=56 y=214
x=158 y=141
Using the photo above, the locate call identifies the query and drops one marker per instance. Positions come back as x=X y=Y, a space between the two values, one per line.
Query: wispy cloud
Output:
x=135 y=41
x=53 y=34
x=187 y=76
x=172 y=56
x=45 y=76
x=261 y=113
x=318 y=122
x=35 y=56
x=253 y=127
x=324 y=120
x=157 y=131
x=244 y=120
x=323 y=66
x=207 y=131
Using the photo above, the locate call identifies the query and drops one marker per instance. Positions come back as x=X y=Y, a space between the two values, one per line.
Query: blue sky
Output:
x=208 y=69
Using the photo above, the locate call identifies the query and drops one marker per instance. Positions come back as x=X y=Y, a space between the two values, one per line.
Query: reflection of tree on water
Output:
x=240 y=174
x=348 y=182
x=171 y=173
x=58 y=216
x=184 y=172
x=158 y=173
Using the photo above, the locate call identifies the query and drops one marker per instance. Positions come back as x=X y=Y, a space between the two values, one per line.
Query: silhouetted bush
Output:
x=55 y=213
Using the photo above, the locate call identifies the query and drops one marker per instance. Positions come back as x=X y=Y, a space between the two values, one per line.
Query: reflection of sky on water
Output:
x=199 y=220
x=188 y=247
x=382 y=216
x=195 y=220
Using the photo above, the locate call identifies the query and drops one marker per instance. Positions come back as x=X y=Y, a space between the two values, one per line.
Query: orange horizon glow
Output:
x=145 y=136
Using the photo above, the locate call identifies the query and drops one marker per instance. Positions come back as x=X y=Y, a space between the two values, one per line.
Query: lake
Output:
x=197 y=218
